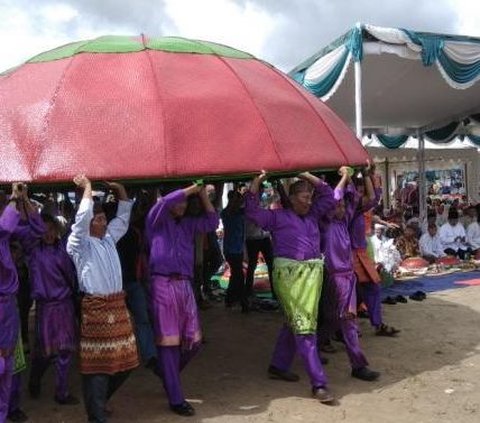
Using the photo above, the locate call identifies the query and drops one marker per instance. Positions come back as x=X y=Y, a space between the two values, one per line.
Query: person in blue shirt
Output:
x=233 y=218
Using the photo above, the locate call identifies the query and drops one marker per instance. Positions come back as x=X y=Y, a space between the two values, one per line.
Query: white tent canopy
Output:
x=412 y=143
x=391 y=81
x=401 y=91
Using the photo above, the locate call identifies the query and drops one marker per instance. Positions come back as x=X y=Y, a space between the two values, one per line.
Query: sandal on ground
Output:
x=365 y=374
x=328 y=349
x=389 y=300
x=418 y=296
x=183 y=409
x=274 y=373
x=323 y=395
x=401 y=299
x=385 y=330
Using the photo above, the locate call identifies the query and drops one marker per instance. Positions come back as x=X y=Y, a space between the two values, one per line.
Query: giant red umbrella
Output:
x=161 y=108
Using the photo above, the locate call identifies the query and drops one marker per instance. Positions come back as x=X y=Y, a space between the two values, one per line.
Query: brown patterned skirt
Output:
x=107 y=341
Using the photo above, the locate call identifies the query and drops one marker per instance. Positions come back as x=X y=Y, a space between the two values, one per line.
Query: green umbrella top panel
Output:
x=129 y=44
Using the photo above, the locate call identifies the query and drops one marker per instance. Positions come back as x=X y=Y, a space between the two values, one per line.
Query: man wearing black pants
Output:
x=108 y=347
x=95 y=386
x=233 y=218
x=258 y=241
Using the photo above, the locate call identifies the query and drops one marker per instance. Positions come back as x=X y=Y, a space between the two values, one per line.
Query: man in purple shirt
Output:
x=9 y=319
x=297 y=273
x=52 y=280
x=171 y=235
x=340 y=288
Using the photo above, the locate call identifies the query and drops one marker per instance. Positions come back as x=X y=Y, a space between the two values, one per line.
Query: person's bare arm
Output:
x=307 y=176
x=255 y=186
x=118 y=190
x=83 y=182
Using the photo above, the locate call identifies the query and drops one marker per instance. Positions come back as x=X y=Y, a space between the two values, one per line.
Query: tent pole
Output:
x=422 y=197
x=387 y=182
x=358 y=100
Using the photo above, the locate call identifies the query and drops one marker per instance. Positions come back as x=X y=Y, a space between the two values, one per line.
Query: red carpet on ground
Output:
x=469 y=282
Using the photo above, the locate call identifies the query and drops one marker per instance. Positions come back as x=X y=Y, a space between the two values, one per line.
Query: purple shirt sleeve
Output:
x=323 y=201
x=162 y=208
x=206 y=223
x=338 y=193
x=8 y=222
x=350 y=202
x=370 y=204
x=29 y=233
x=266 y=219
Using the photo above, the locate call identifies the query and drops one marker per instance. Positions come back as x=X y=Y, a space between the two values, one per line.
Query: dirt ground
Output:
x=431 y=373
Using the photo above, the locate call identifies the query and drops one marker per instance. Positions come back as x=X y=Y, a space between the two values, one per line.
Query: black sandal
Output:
x=418 y=296
x=385 y=330
x=389 y=300
x=401 y=299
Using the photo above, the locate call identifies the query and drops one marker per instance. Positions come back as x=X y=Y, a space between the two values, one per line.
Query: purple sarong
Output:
x=55 y=327
x=175 y=314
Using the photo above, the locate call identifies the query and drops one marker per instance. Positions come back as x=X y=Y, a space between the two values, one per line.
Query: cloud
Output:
x=283 y=32
x=468 y=19
x=245 y=27
x=305 y=26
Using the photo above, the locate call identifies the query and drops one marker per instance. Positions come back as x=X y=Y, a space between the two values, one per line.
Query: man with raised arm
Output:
x=175 y=318
x=297 y=273
x=108 y=349
x=9 y=318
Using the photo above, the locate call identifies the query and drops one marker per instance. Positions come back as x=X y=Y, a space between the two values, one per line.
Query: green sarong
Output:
x=20 y=362
x=298 y=285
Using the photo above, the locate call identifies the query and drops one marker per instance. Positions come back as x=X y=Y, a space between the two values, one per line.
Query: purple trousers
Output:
x=55 y=326
x=15 y=392
x=5 y=387
x=175 y=314
x=62 y=362
x=306 y=346
x=9 y=328
x=340 y=311
x=171 y=361
x=370 y=295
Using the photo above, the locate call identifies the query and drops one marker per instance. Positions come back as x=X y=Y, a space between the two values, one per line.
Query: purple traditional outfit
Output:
x=9 y=319
x=367 y=276
x=297 y=278
x=341 y=303
x=175 y=315
x=52 y=279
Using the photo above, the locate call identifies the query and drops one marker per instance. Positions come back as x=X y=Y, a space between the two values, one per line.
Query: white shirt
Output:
x=96 y=260
x=431 y=246
x=473 y=235
x=386 y=253
x=377 y=244
x=448 y=233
